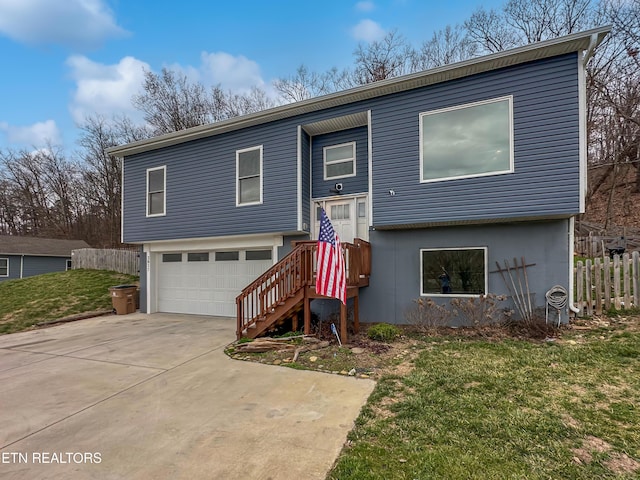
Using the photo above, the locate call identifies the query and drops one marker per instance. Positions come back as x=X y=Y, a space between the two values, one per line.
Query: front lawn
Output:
x=28 y=301
x=508 y=409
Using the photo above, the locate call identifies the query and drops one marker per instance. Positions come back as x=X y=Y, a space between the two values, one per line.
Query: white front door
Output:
x=348 y=217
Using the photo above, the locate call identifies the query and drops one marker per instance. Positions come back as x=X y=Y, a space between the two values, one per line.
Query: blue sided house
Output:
x=429 y=179
x=22 y=257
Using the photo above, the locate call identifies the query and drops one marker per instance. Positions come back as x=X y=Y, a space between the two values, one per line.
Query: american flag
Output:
x=330 y=278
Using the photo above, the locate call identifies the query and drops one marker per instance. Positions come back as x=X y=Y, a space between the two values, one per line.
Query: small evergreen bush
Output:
x=383 y=332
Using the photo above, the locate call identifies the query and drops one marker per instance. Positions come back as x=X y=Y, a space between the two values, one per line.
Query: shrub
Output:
x=383 y=332
x=426 y=315
x=481 y=311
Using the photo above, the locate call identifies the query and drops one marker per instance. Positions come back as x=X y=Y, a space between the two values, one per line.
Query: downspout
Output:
x=572 y=307
x=593 y=42
x=21 y=265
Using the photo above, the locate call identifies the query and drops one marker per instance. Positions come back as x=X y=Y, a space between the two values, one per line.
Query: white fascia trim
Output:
x=582 y=134
x=370 y=163
x=299 y=178
x=215 y=243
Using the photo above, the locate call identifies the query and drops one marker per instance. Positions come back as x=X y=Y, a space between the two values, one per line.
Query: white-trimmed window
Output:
x=156 y=191
x=453 y=271
x=339 y=161
x=4 y=267
x=68 y=266
x=470 y=140
x=249 y=176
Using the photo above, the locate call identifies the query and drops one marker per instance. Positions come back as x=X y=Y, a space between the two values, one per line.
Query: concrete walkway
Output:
x=154 y=397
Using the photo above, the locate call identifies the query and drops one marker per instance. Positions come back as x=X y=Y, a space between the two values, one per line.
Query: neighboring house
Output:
x=459 y=167
x=22 y=257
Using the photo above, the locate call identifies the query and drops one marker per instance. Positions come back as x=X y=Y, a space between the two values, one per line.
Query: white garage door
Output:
x=207 y=283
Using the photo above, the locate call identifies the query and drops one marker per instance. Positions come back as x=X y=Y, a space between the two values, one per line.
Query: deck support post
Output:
x=343 y=322
x=356 y=319
x=307 y=313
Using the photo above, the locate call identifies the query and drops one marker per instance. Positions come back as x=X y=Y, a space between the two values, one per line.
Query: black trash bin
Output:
x=123 y=298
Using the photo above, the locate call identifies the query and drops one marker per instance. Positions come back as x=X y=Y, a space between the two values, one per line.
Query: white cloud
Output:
x=36 y=135
x=236 y=73
x=365 y=6
x=79 y=24
x=367 y=30
x=105 y=89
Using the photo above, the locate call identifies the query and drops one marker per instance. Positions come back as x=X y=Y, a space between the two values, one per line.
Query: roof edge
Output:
x=586 y=40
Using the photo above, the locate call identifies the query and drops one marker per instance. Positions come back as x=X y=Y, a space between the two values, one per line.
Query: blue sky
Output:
x=66 y=59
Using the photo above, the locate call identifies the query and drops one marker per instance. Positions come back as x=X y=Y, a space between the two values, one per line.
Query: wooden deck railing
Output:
x=291 y=276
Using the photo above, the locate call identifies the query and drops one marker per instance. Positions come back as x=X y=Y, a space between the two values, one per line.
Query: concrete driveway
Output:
x=154 y=396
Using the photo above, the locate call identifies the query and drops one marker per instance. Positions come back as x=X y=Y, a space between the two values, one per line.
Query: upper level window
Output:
x=4 y=267
x=467 y=141
x=340 y=161
x=454 y=271
x=249 y=176
x=156 y=187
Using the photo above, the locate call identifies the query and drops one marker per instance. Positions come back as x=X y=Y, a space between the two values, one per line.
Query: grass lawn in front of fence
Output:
x=490 y=409
x=51 y=296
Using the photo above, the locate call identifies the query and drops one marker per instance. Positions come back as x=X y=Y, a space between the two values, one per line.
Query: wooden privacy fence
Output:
x=604 y=283
x=117 y=260
x=599 y=245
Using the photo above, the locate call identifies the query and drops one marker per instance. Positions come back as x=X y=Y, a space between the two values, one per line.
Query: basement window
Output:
x=453 y=271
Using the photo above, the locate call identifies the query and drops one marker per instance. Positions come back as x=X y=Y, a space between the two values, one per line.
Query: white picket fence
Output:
x=117 y=260
x=603 y=283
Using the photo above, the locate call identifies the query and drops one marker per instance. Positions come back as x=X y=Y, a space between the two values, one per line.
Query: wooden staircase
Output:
x=285 y=290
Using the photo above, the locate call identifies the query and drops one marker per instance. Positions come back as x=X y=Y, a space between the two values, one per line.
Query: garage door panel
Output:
x=205 y=287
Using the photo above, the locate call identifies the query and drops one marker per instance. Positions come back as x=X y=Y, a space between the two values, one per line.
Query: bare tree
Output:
x=446 y=46
x=230 y=104
x=170 y=102
x=305 y=84
x=382 y=59
x=490 y=32
x=39 y=192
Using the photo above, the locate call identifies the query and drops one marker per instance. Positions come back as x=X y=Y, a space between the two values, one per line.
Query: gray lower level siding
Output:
x=395 y=271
